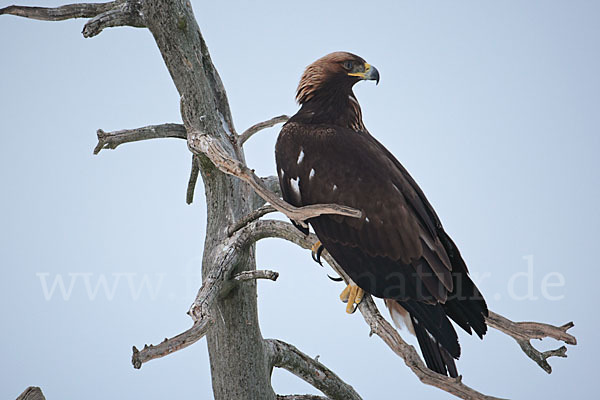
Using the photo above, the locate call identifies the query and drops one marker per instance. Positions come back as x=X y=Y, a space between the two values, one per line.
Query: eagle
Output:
x=397 y=250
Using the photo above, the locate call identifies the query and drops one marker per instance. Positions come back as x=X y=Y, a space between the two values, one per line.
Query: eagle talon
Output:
x=352 y=295
x=316 y=251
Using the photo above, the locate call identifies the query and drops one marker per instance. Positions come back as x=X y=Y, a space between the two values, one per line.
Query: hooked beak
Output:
x=370 y=74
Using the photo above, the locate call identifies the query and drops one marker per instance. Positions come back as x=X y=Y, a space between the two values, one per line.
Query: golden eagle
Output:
x=398 y=249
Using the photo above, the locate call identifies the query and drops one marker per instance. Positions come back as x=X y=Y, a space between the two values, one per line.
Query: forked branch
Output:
x=524 y=332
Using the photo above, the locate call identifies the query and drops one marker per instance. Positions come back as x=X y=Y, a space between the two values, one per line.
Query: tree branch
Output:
x=104 y=15
x=382 y=328
x=168 y=346
x=300 y=397
x=110 y=140
x=284 y=355
x=225 y=259
x=194 y=173
x=523 y=332
x=253 y=216
x=255 y=274
x=70 y=11
x=260 y=126
x=200 y=143
x=125 y=13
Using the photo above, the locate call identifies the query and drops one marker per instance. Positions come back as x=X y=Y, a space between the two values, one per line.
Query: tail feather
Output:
x=436 y=357
x=465 y=305
x=433 y=319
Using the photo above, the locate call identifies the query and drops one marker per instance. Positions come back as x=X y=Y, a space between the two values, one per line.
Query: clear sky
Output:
x=494 y=107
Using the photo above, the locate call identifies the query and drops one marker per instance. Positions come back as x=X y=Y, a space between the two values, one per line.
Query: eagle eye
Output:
x=348 y=65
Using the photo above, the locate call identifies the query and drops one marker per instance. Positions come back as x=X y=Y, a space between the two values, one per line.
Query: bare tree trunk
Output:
x=238 y=361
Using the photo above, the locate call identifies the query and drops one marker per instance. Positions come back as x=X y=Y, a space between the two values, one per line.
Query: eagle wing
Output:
x=395 y=244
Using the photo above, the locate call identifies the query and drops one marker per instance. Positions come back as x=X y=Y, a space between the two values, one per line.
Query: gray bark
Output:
x=238 y=361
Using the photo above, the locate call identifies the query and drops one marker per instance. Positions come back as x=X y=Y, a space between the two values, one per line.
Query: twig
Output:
x=224 y=260
x=127 y=13
x=195 y=171
x=256 y=274
x=200 y=143
x=260 y=126
x=168 y=346
x=103 y=15
x=523 y=332
x=254 y=215
x=110 y=140
x=70 y=11
x=284 y=355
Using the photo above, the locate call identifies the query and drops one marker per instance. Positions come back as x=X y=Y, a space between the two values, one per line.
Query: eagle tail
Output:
x=436 y=336
x=436 y=357
x=465 y=305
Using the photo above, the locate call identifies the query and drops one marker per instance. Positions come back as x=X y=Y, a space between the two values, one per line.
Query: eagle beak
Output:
x=370 y=74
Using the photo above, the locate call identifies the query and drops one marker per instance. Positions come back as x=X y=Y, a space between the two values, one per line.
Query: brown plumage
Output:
x=398 y=250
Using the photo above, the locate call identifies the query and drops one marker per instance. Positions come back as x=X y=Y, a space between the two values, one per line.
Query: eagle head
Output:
x=335 y=71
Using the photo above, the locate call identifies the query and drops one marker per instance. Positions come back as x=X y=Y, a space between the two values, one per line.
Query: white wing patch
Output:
x=300 y=156
x=312 y=173
x=281 y=173
x=334 y=188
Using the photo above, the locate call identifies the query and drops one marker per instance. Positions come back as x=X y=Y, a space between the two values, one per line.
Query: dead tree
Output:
x=241 y=360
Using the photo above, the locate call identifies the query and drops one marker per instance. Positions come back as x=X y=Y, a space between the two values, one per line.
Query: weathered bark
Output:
x=239 y=365
x=32 y=393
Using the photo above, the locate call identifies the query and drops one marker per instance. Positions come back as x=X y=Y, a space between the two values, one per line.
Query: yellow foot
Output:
x=316 y=251
x=353 y=296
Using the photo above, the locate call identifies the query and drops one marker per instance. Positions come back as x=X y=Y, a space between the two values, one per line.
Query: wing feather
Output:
x=353 y=169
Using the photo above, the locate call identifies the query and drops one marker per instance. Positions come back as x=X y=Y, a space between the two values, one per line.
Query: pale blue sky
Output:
x=494 y=107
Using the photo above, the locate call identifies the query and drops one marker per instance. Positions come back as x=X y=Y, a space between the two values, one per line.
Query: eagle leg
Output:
x=316 y=251
x=352 y=295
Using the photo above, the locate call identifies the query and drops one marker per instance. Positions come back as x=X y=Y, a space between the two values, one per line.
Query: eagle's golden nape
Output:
x=398 y=249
